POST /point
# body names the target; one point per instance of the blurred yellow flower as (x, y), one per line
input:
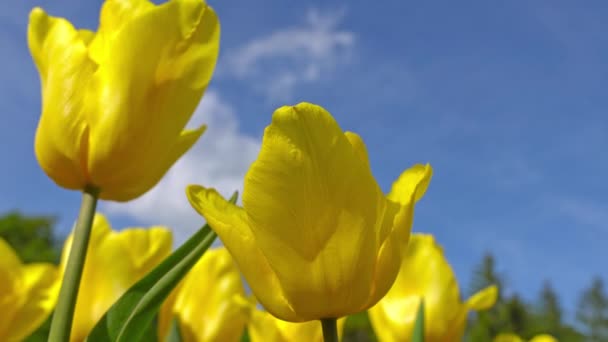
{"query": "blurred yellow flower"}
(28, 294)
(263, 327)
(114, 262)
(206, 303)
(508, 337)
(115, 102)
(316, 238)
(426, 274)
(543, 338)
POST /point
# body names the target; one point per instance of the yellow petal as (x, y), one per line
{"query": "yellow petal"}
(231, 224)
(151, 176)
(60, 53)
(312, 207)
(414, 180)
(396, 224)
(206, 303)
(114, 262)
(9, 263)
(41, 287)
(161, 62)
(543, 338)
(507, 338)
(424, 274)
(263, 327)
(27, 294)
(114, 15)
(483, 299)
(358, 146)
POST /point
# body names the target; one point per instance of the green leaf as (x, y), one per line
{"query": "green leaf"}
(128, 318)
(418, 335)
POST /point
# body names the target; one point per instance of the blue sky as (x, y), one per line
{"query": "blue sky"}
(507, 101)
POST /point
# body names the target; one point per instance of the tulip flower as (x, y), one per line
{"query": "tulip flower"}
(543, 338)
(315, 238)
(206, 302)
(115, 102)
(426, 274)
(263, 327)
(27, 294)
(508, 337)
(114, 262)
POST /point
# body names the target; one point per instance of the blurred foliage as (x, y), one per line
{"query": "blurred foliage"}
(592, 312)
(33, 239)
(358, 328)
(31, 236)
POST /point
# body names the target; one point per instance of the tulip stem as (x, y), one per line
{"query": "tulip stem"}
(330, 329)
(66, 304)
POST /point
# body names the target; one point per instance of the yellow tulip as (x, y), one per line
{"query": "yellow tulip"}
(27, 294)
(114, 262)
(316, 238)
(206, 302)
(263, 327)
(115, 102)
(508, 337)
(426, 274)
(543, 338)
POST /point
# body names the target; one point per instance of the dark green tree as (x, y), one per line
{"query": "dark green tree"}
(31, 236)
(592, 312)
(516, 316)
(486, 324)
(550, 314)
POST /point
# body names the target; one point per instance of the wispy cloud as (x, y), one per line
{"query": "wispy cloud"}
(276, 64)
(220, 160)
(584, 212)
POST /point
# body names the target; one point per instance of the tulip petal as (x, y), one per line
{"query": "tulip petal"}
(231, 225)
(358, 146)
(396, 225)
(507, 337)
(483, 299)
(424, 272)
(149, 177)
(206, 303)
(312, 205)
(27, 294)
(114, 262)
(543, 338)
(161, 62)
(10, 287)
(42, 287)
(414, 180)
(113, 16)
(9, 263)
(145, 248)
(406, 190)
(60, 53)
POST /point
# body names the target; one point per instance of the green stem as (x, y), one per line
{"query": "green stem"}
(66, 304)
(330, 329)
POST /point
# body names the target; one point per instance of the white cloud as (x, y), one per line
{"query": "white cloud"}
(584, 212)
(277, 63)
(220, 160)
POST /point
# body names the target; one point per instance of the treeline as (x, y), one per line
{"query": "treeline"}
(544, 315)
(34, 240)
